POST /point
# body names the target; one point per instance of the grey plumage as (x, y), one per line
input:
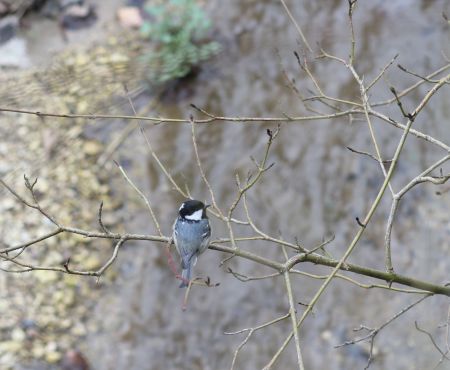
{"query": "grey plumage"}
(191, 236)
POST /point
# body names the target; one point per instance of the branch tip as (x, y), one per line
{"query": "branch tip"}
(359, 222)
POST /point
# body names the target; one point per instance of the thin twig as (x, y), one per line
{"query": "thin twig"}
(158, 120)
(202, 172)
(369, 215)
(250, 333)
(293, 315)
(100, 221)
(297, 27)
(426, 79)
(412, 87)
(431, 339)
(351, 5)
(382, 72)
(142, 195)
(421, 178)
(373, 332)
(367, 154)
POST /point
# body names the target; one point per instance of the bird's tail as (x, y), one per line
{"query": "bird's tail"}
(186, 275)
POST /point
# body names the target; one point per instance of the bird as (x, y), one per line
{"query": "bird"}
(191, 235)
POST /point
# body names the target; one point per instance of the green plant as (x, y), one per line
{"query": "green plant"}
(179, 29)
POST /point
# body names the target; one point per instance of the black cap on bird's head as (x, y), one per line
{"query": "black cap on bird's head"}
(193, 210)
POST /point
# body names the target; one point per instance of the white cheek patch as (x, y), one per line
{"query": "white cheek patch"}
(196, 216)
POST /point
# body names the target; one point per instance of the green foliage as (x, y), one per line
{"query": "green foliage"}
(180, 29)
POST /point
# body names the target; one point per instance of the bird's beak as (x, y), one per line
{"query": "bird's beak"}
(207, 206)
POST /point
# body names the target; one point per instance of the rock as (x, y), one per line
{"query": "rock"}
(136, 3)
(92, 263)
(54, 257)
(18, 335)
(50, 140)
(79, 330)
(78, 10)
(58, 296)
(92, 147)
(46, 320)
(71, 281)
(7, 204)
(27, 324)
(4, 8)
(51, 9)
(65, 324)
(10, 346)
(82, 106)
(14, 54)
(74, 360)
(8, 28)
(69, 297)
(78, 16)
(51, 347)
(42, 185)
(38, 350)
(46, 276)
(66, 3)
(7, 361)
(129, 17)
(118, 57)
(52, 357)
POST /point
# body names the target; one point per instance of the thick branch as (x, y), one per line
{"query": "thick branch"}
(216, 245)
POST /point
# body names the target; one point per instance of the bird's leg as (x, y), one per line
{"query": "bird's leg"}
(172, 264)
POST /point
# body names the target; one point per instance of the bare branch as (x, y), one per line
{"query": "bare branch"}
(293, 315)
(297, 27)
(382, 72)
(202, 172)
(351, 6)
(400, 105)
(245, 278)
(36, 206)
(412, 87)
(373, 332)
(141, 194)
(100, 221)
(369, 215)
(432, 340)
(250, 333)
(368, 155)
(426, 79)
(158, 120)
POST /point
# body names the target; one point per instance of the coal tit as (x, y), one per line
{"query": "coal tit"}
(191, 235)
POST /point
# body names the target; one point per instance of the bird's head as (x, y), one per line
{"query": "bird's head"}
(193, 210)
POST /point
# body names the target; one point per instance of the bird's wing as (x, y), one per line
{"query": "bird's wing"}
(206, 236)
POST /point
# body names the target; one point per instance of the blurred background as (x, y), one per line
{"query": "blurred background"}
(76, 56)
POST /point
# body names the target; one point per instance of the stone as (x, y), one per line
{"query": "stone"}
(74, 360)
(18, 335)
(8, 28)
(13, 54)
(38, 351)
(10, 346)
(129, 17)
(79, 330)
(46, 277)
(92, 263)
(53, 357)
(77, 16)
(92, 147)
(4, 8)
